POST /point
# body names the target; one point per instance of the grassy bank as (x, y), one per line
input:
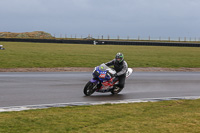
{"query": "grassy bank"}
(29, 55)
(166, 116)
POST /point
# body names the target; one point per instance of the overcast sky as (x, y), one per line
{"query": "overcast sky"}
(174, 18)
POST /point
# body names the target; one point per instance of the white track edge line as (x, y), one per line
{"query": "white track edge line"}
(42, 106)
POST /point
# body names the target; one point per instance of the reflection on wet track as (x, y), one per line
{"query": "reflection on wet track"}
(17, 89)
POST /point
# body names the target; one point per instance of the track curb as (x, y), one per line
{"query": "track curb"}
(44, 106)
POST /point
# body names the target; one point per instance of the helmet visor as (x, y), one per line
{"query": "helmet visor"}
(119, 59)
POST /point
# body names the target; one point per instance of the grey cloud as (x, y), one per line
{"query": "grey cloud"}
(103, 17)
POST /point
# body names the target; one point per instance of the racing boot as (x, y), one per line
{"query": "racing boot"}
(116, 90)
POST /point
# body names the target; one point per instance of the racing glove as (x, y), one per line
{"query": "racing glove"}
(115, 75)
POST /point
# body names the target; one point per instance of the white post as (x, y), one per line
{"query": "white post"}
(94, 42)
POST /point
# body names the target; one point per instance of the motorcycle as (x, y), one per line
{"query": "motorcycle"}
(1, 47)
(103, 81)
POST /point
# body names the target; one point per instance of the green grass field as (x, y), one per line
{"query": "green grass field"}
(29, 55)
(158, 117)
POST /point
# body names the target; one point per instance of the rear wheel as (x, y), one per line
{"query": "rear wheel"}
(89, 88)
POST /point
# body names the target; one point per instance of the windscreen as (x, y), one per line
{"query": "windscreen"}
(103, 67)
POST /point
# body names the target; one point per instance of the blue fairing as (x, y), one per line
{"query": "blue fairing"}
(94, 80)
(101, 71)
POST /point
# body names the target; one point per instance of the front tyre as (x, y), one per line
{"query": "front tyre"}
(89, 88)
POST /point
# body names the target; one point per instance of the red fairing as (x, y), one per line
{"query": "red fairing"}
(107, 84)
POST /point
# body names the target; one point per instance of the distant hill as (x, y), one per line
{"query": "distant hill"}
(34, 34)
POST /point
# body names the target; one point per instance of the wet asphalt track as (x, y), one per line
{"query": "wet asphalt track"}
(18, 89)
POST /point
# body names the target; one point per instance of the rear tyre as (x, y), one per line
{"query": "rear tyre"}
(89, 88)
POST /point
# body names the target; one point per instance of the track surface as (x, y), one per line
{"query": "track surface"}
(18, 89)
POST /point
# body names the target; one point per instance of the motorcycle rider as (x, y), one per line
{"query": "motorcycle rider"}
(121, 68)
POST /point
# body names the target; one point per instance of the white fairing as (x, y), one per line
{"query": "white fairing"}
(129, 72)
(112, 71)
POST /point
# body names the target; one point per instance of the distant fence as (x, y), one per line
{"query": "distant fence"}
(104, 42)
(108, 37)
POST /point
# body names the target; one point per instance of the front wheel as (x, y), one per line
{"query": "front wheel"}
(89, 88)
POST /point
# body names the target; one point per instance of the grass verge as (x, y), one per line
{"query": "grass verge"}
(166, 116)
(49, 55)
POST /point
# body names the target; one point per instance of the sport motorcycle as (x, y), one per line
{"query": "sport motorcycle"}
(103, 81)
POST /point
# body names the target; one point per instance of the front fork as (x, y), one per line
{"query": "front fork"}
(93, 80)
(97, 83)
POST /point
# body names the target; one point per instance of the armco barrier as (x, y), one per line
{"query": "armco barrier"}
(105, 42)
(47, 40)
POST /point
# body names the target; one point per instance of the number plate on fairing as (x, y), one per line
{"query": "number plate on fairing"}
(102, 76)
